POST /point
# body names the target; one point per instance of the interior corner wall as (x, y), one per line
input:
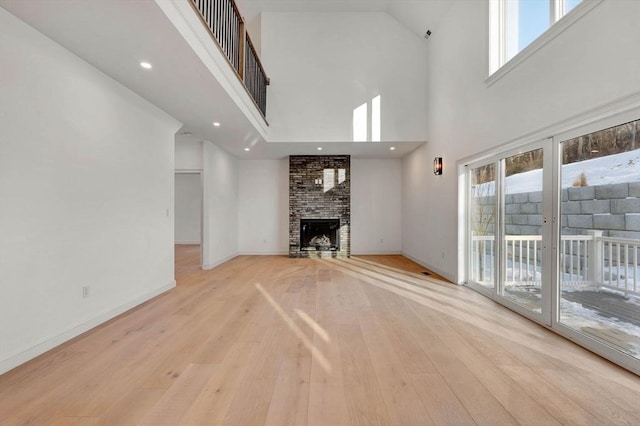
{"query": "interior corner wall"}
(324, 65)
(264, 207)
(376, 204)
(587, 66)
(86, 190)
(220, 206)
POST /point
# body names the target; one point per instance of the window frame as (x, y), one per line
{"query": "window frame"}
(602, 117)
(560, 21)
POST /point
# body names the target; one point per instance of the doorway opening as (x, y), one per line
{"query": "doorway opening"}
(188, 218)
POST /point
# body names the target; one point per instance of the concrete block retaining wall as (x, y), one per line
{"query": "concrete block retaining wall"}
(613, 209)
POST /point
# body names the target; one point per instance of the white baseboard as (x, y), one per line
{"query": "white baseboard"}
(49, 343)
(207, 266)
(430, 267)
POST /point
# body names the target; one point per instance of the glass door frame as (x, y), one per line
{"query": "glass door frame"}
(617, 356)
(546, 273)
(612, 115)
(489, 292)
(495, 293)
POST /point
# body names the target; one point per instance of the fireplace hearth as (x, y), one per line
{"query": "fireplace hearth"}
(319, 234)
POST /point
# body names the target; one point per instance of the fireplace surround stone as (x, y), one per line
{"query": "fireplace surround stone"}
(320, 189)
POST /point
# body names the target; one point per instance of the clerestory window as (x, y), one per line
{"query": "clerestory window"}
(526, 25)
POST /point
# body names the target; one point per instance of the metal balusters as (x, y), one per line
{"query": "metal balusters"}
(255, 78)
(223, 19)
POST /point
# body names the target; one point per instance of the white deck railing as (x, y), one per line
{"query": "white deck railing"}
(585, 261)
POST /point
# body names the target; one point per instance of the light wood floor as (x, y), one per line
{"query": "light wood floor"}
(278, 341)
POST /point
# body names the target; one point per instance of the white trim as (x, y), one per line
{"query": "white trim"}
(24, 355)
(220, 261)
(464, 253)
(188, 171)
(554, 31)
(599, 123)
(629, 103)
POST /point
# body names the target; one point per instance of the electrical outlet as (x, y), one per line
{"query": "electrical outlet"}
(381, 240)
(85, 292)
(442, 255)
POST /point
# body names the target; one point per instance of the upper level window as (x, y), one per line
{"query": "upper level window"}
(515, 24)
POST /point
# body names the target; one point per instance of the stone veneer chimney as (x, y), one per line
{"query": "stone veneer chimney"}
(319, 188)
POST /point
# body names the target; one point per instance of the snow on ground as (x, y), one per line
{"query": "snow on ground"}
(570, 312)
(573, 314)
(578, 317)
(617, 168)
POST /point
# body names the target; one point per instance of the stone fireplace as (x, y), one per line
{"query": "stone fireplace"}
(319, 206)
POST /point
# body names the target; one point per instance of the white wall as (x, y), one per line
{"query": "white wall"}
(188, 154)
(585, 67)
(254, 28)
(188, 208)
(323, 65)
(264, 207)
(86, 190)
(428, 217)
(220, 211)
(376, 206)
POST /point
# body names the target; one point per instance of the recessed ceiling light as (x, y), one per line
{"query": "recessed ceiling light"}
(319, 148)
(146, 65)
(247, 149)
(216, 124)
(392, 148)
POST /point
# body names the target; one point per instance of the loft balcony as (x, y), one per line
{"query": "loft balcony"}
(227, 28)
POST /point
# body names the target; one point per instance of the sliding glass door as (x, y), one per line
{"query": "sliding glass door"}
(553, 233)
(599, 250)
(524, 269)
(508, 229)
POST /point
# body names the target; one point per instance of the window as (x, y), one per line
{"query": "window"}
(525, 21)
(551, 230)
(517, 25)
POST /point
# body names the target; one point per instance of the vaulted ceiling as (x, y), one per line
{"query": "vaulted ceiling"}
(417, 15)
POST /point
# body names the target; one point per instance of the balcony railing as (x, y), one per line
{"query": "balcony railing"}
(585, 261)
(227, 27)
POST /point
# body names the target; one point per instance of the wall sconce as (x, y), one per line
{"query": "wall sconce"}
(437, 166)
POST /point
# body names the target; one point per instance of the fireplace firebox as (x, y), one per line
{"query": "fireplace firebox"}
(320, 234)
